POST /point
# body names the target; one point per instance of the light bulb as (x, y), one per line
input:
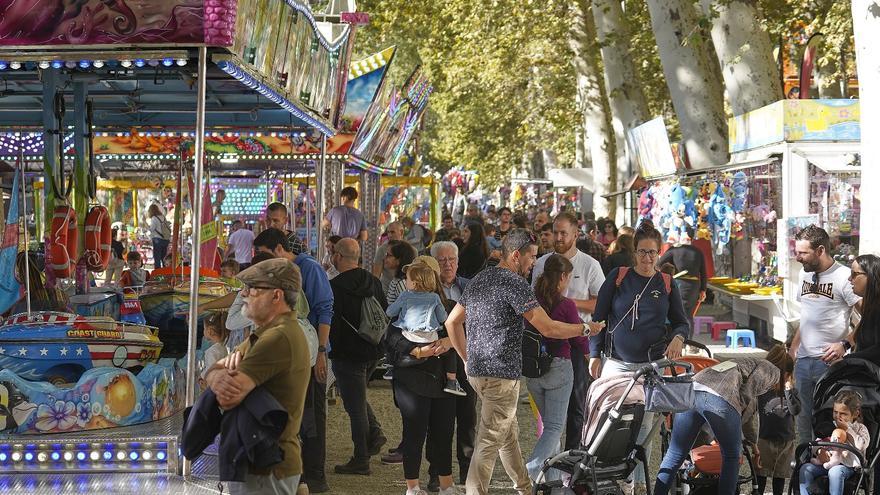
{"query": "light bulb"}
(125, 63)
(44, 64)
(98, 64)
(15, 65)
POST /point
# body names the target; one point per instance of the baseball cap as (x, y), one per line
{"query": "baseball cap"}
(424, 260)
(277, 273)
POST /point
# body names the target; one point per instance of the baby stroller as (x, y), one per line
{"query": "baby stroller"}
(694, 474)
(608, 453)
(847, 374)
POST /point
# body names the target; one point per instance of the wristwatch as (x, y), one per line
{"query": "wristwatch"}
(846, 345)
(322, 348)
(586, 332)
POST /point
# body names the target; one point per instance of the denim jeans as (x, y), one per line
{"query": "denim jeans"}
(726, 424)
(807, 371)
(351, 381)
(836, 477)
(613, 367)
(160, 249)
(550, 393)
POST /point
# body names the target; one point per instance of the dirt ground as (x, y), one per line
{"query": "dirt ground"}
(389, 479)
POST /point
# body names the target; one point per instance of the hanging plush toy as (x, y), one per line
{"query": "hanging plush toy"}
(674, 219)
(646, 204)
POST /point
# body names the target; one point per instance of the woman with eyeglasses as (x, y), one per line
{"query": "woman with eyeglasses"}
(865, 279)
(635, 304)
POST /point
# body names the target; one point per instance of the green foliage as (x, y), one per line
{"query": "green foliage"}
(794, 21)
(504, 84)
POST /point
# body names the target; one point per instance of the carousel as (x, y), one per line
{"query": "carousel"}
(103, 390)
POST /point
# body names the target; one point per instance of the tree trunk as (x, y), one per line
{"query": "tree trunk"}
(594, 107)
(626, 99)
(696, 91)
(866, 26)
(828, 83)
(745, 53)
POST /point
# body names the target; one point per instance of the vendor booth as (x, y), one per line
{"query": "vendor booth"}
(793, 163)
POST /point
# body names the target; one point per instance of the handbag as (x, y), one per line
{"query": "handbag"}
(535, 358)
(669, 394)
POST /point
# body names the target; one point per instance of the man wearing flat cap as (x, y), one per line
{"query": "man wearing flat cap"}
(276, 357)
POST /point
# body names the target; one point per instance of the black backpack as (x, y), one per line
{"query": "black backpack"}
(535, 358)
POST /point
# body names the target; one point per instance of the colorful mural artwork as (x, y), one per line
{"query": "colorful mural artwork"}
(102, 398)
(98, 22)
(60, 347)
(795, 120)
(364, 80)
(237, 143)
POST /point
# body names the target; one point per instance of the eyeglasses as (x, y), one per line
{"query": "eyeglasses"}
(647, 252)
(246, 290)
(446, 261)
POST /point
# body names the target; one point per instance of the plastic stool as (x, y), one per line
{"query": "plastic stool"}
(699, 321)
(720, 326)
(734, 335)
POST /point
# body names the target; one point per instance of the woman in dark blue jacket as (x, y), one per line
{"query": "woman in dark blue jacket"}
(639, 306)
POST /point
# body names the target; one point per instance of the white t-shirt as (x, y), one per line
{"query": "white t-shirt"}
(825, 309)
(586, 278)
(241, 242)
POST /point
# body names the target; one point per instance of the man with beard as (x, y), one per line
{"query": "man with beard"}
(826, 296)
(494, 306)
(586, 280)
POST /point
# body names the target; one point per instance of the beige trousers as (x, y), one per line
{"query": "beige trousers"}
(497, 435)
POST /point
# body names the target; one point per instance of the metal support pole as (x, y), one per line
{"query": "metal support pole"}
(49, 77)
(323, 181)
(23, 193)
(80, 174)
(199, 158)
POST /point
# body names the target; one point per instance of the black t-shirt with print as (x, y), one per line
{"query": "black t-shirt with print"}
(495, 301)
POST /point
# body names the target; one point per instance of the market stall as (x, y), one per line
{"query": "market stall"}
(793, 163)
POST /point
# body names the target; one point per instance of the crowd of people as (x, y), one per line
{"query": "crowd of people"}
(447, 311)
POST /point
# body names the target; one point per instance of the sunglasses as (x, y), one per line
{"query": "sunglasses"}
(814, 287)
(531, 240)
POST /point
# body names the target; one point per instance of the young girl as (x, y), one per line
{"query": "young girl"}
(552, 390)
(216, 332)
(847, 413)
(776, 435)
(420, 313)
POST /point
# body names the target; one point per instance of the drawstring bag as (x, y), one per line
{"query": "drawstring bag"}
(669, 394)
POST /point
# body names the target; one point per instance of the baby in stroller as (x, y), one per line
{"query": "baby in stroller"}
(840, 461)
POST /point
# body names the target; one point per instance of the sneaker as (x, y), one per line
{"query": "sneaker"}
(302, 489)
(448, 491)
(394, 458)
(454, 388)
(416, 491)
(354, 466)
(433, 484)
(376, 444)
(317, 486)
(389, 374)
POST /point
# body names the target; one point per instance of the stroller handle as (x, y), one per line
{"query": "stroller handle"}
(657, 366)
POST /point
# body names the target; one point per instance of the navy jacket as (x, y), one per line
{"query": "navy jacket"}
(249, 433)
